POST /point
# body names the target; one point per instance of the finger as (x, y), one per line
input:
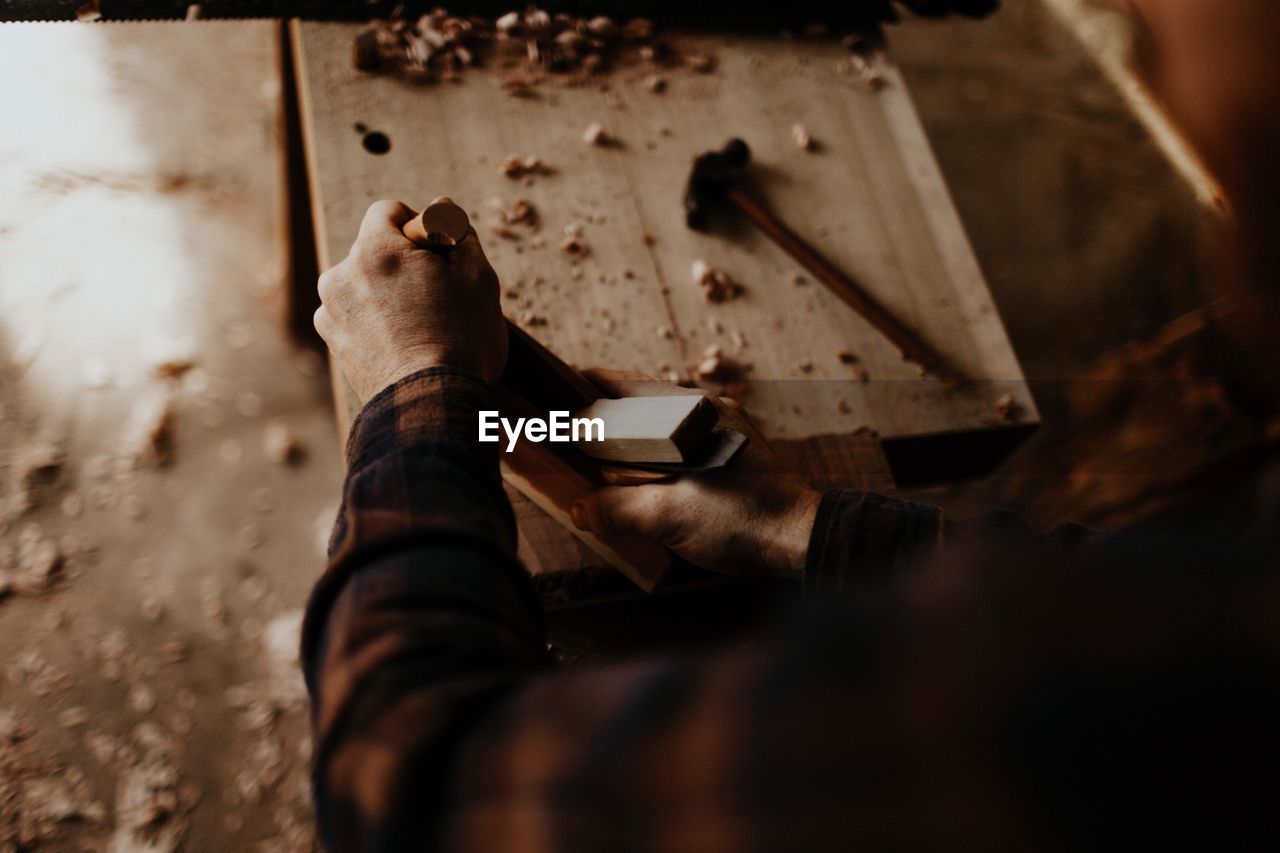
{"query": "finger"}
(620, 510)
(323, 322)
(385, 218)
(325, 284)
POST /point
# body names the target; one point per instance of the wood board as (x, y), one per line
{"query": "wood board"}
(870, 197)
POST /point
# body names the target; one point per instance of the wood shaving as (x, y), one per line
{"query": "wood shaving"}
(522, 212)
(702, 63)
(281, 445)
(800, 135)
(655, 83)
(717, 285)
(595, 134)
(440, 46)
(1007, 408)
(575, 246)
(515, 167)
(173, 367)
(150, 433)
(37, 560)
(37, 466)
(715, 366)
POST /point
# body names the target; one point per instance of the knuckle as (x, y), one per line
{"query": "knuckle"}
(326, 284)
(383, 207)
(373, 261)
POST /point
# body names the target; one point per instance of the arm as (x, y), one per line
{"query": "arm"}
(754, 517)
(424, 614)
(424, 617)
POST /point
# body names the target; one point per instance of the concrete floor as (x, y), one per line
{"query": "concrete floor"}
(157, 672)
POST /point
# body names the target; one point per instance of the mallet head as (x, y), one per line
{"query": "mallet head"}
(712, 174)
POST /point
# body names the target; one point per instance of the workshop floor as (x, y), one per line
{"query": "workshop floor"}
(157, 677)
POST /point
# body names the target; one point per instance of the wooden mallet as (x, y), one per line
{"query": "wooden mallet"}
(716, 176)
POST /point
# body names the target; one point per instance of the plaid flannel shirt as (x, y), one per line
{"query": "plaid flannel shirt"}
(904, 708)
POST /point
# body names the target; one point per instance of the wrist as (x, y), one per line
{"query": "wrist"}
(788, 544)
(401, 366)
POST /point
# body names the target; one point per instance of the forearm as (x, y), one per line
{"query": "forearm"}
(424, 614)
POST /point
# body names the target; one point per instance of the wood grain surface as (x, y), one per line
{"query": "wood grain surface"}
(869, 196)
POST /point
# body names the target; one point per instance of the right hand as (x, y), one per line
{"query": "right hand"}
(391, 308)
(751, 517)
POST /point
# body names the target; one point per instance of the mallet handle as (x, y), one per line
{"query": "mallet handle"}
(840, 284)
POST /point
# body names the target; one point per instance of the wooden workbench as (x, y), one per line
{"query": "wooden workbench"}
(870, 196)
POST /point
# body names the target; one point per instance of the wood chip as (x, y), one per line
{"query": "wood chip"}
(800, 135)
(281, 445)
(515, 166)
(715, 366)
(595, 134)
(1007, 408)
(655, 83)
(89, 12)
(150, 433)
(37, 560)
(702, 63)
(717, 286)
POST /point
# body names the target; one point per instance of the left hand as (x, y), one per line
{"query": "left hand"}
(752, 517)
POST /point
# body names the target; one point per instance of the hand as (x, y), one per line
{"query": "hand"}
(390, 308)
(751, 517)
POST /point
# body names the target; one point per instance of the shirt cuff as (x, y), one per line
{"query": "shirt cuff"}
(435, 404)
(862, 540)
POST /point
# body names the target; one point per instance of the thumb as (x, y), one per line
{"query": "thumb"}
(619, 510)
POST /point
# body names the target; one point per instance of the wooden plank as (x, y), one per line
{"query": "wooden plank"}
(870, 197)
